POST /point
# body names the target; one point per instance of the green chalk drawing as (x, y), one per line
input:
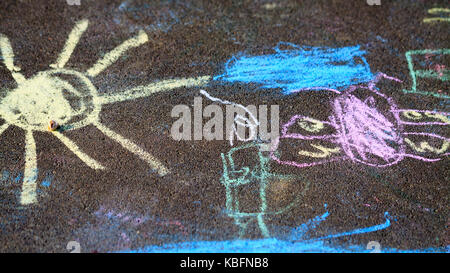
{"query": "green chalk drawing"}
(233, 178)
(443, 76)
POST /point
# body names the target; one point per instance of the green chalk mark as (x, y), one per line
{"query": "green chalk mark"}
(426, 73)
(233, 178)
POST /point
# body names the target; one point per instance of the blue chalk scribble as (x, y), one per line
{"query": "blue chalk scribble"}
(361, 230)
(300, 231)
(47, 182)
(270, 245)
(10, 178)
(297, 242)
(5, 176)
(300, 68)
(18, 178)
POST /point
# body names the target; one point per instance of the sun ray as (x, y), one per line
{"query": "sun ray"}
(3, 127)
(28, 195)
(71, 43)
(41, 98)
(113, 55)
(146, 90)
(132, 147)
(76, 150)
(8, 58)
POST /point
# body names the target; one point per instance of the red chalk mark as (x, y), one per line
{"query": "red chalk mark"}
(125, 237)
(439, 68)
(176, 223)
(136, 221)
(124, 242)
(423, 208)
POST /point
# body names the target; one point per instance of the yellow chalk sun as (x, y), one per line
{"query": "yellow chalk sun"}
(69, 97)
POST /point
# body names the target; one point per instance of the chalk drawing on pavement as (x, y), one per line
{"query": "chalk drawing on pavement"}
(297, 241)
(251, 123)
(439, 72)
(367, 127)
(41, 98)
(235, 178)
(300, 67)
(439, 12)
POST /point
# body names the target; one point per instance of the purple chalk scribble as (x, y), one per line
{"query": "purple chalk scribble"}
(367, 128)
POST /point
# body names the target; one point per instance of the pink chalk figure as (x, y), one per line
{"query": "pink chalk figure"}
(364, 126)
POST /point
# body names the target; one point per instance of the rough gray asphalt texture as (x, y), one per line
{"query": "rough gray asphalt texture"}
(195, 38)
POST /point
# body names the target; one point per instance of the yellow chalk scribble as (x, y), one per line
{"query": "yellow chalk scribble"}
(144, 91)
(28, 195)
(325, 152)
(425, 146)
(112, 56)
(8, 58)
(437, 19)
(438, 116)
(311, 125)
(69, 98)
(438, 10)
(127, 144)
(412, 115)
(71, 43)
(76, 150)
(3, 128)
